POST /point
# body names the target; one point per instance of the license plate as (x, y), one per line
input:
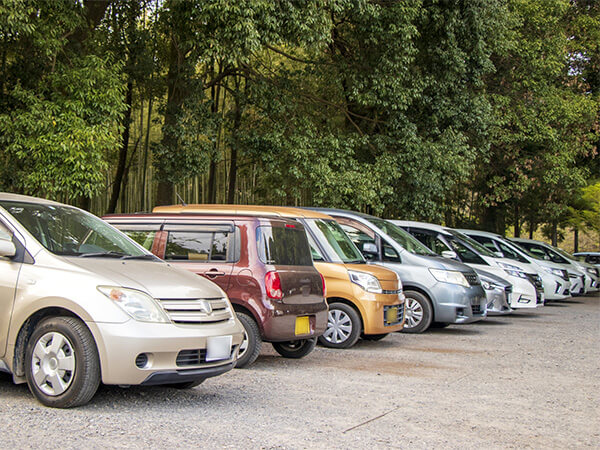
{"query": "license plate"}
(302, 325)
(218, 348)
(391, 315)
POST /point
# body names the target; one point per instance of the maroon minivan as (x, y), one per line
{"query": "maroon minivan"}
(262, 261)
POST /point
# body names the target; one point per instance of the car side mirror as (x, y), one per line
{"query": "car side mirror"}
(499, 254)
(369, 249)
(7, 248)
(449, 254)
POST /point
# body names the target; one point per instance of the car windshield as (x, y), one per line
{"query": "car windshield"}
(516, 248)
(408, 242)
(331, 236)
(544, 252)
(563, 253)
(473, 243)
(68, 231)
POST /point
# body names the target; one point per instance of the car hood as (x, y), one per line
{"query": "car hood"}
(159, 279)
(439, 262)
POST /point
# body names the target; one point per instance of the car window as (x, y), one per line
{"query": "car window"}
(5, 233)
(333, 239)
(465, 254)
(198, 246)
(283, 245)
(430, 241)
(314, 249)
(357, 236)
(486, 242)
(144, 238)
(544, 252)
(511, 253)
(403, 238)
(592, 259)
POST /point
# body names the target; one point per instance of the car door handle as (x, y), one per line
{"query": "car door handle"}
(212, 273)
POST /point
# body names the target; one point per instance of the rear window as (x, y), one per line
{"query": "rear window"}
(283, 246)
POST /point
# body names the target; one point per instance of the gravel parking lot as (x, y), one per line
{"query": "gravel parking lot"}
(526, 380)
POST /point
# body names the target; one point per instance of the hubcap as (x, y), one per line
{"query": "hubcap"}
(53, 364)
(243, 345)
(414, 313)
(339, 327)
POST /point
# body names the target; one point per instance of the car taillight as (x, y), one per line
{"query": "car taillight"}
(323, 283)
(273, 285)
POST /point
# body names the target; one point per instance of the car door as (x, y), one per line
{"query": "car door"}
(207, 249)
(9, 275)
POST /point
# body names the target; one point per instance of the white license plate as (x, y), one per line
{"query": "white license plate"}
(218, 348)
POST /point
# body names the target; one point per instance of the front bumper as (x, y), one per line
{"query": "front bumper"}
(119, 345)
(457, 304)
(498, 301)
(374, 308)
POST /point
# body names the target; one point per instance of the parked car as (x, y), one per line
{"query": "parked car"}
(83, 304)
(527, 291)
(498, 292)
(554, 277)
(260, 258)
(438, 291)
(588, 257)
(584, 276)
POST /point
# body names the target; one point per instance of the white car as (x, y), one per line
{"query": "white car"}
(592, 258)
(555, 277)
(584, 277)
(528, 291)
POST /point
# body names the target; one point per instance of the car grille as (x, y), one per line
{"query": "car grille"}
(536, 280)
(508, 289)
(476, 309)
(191, 357)
(195, 311)
(391, 291)
(472, 278)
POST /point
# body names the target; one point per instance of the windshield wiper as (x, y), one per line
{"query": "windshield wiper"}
(144, 256)
(110, 254)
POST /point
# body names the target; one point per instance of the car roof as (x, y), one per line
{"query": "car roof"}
(7, 196)
(242, 210)
(424, 225)
(468, 231)
(587, 253)
(345, 212)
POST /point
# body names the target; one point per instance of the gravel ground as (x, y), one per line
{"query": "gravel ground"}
(526, 380)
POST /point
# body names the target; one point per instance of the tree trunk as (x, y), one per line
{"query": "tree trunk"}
(237, 120)
(146, 147)
(116, 191)
(517, 222)
(575, 240)
(554, 234)
(212, 172)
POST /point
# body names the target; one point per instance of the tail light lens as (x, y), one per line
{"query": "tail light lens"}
(323, 284)
(273, 285)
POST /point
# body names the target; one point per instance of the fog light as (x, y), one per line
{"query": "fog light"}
(460, 311)
(142, 360)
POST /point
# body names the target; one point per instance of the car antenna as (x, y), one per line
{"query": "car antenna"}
(180, 199)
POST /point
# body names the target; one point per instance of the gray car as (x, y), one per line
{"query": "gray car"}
(438, 291)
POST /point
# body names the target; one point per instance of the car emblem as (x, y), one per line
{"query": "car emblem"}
(205, 306)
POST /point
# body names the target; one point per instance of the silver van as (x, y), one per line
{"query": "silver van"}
(83, 304)
(438, 291)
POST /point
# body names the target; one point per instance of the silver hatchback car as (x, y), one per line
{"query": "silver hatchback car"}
(82, 304)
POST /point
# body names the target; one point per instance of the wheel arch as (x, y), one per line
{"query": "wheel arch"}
(353, 305)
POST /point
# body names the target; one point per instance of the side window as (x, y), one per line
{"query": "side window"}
(357, 236)
(487, 243)
(314, 249)
(198, 246)
(593, 259)
(5, 233)
(389, 253)
(430, 241)
(510, 253)
(144, 238)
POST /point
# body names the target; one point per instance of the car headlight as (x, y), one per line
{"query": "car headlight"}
(449, 276)
(137, 304)
(554, 271)
(366, 281)
(513, 270)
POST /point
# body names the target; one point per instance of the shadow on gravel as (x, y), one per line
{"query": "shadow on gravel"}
(564, 302)
(458, 331)
(526, 316)
(493, 322)
(556, 305)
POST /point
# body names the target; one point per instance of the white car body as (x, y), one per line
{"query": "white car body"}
(584, 277)
(520, 275)
(555, 277)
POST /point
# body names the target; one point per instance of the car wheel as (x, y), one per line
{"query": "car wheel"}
(252, 343)
(187, 385)
(373, 337)
(439, 324)
(62, 366)
(419, 312)
(343, 327)
(295, 349)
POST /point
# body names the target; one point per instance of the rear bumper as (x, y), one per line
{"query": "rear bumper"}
(279, 323)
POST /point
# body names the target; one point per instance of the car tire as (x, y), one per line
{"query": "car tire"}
(419, 312)
(187, 385)
(62, 366)
(295, 349)
(373, 337)
(343, 327)
(439, 324)
(252, 343)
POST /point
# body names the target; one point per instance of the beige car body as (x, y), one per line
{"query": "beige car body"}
(51, 285)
